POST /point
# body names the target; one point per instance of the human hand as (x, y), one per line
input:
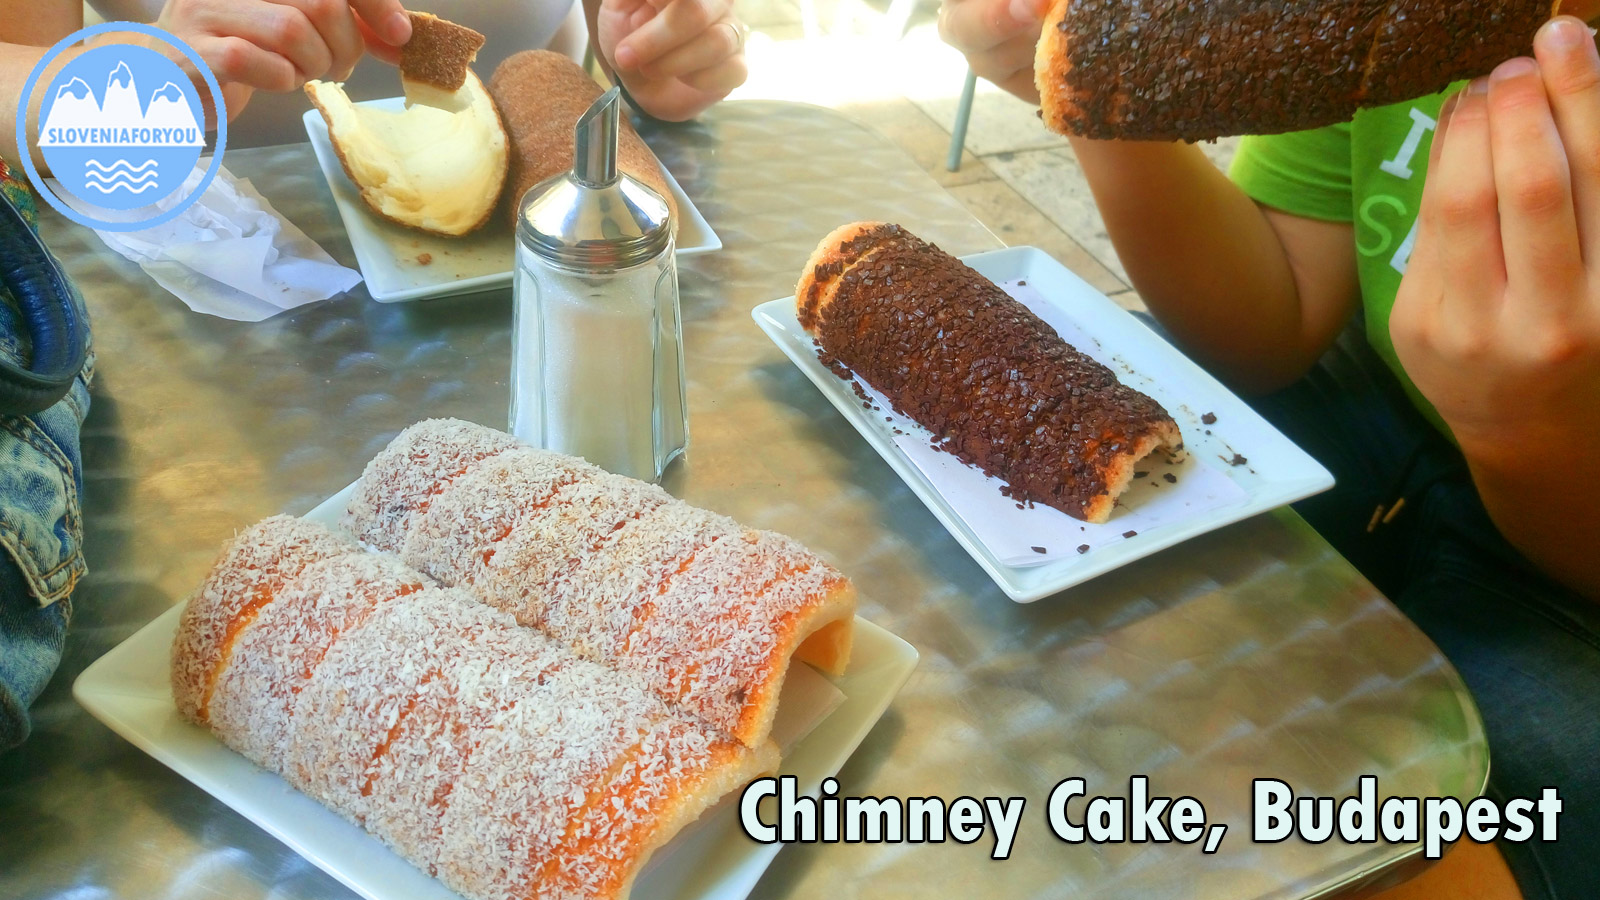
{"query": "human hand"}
(675, 57)
(278, 45)
(1498, 317)
(998, 38)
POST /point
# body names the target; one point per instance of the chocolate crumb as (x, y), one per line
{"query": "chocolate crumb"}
(1083, 548)
(1138, 475)
(1021, 283)
(1128, 534)
(1171, 478)
(1209, 419)
(1019, 506)
(1236, 461)
(1208, 431)
(1040, 550)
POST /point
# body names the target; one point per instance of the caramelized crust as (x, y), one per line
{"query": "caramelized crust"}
(439, 52)
(995, 384)
(1183, 70)
(540, 95)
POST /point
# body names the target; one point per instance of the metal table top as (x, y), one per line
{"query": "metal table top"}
(1255, 651)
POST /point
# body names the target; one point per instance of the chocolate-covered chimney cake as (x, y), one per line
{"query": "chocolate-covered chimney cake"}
(992, 381)
(1200, 69)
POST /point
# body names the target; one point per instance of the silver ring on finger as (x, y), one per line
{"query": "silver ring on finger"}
(740, 33)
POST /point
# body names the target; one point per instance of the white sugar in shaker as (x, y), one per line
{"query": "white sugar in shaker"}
(597, 355)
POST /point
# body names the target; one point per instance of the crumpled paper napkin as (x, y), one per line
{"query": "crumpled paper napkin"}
(230, 254)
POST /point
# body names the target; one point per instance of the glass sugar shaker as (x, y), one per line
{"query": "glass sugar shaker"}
(597, 346)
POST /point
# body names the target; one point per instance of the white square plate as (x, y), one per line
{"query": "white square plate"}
(128, 689)
(1211, 493)
(389, 255)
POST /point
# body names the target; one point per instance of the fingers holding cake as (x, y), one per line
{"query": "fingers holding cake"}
(1570, 65)
(277, 45)
(1175, 70)
(998, 38)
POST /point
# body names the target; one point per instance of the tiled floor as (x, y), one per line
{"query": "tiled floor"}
(1019, 179)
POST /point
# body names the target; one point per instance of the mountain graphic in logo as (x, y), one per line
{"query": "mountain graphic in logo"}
(77, 119)
(120, 149)
(123, 110)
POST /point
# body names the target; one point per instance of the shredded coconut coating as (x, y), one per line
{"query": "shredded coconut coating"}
(277, 654)
(402, 479)
(252, 568)
(706, 612)
(581, 522)
(392, 717)
(486, 753)
(582, 730)
(721, 633)
(605, 597)
(459, 534)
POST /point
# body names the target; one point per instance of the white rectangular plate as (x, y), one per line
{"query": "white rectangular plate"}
(128, 689)
(1209, 491)
(390, 255)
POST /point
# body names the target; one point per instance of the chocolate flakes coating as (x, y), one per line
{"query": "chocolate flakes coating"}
(1424, 45)
(1200, 69)
(994, 383)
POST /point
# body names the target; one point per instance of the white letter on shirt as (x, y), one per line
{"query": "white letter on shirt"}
(1400, 166)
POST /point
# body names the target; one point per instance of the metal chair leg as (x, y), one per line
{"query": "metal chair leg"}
(958, 133)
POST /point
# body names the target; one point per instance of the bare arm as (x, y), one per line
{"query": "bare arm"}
(25, 33)
(1255, 294)
(273, 45)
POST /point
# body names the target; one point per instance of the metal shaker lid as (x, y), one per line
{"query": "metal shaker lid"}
(595, 218)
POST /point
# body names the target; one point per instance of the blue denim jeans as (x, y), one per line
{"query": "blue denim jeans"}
(1527, 647)
(41, 532)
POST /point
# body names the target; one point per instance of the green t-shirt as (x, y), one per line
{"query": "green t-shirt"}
(1368, 172)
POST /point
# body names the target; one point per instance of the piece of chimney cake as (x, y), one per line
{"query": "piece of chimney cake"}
(433, 64)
